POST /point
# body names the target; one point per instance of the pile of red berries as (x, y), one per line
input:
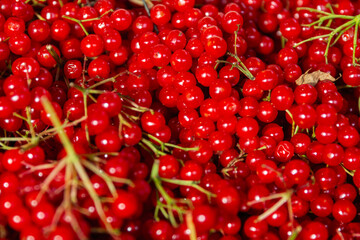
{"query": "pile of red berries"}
(179, 119)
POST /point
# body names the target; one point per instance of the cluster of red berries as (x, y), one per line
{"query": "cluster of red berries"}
(179, 119)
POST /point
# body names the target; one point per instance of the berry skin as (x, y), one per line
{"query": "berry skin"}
(157, 105)
(45, 58)
(19, 218)
(121, 19)
(160, 14)
(284, 151)
(297, 171)
(125, 205)
(181, 60)
(253, 228)
(290, 28)
(108, 141)
(322, 205)
(183, 5)
(161, 230)
(6, 110)
(216, 46)
(25, 67)
(204, 218)
(304, 116)
(267, 79)
(344, 211)
(348, 136)
(19, 44)
(315, 230)
(61, 232)
(73, 69)
(351, 76)
(282, 97)
(92, 45)
(152, 122)
(12, 160)
(231, 21)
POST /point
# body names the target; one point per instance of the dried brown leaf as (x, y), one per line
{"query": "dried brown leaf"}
(314, 77)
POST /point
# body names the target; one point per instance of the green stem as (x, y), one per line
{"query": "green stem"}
(169, 201)
(190, 224)
(78, 22)
(332, 34)
(340, 34)
(236, 33)
(355, 40)
(181, 148)
(102, 175)
(152, 148)
(312, 10)
(57, 125)
(53, 53)
(73, 158)
(13, 139)
(112, 79)
(264, 199)
(90, 189)
(351, 173)
(189, 184)
(86, 115)
(45, 185)
(243, 67)
(293, 122)
(311, 39)
(285, 197)
(162, 146)
(40, 17)
(15, 114)
(283, 41)
(324, 28)
(329, 15)
(295, 233)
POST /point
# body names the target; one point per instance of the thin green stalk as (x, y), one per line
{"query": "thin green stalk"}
(235, 33)
(78, 22)
(181, 148)
(152, 147)
(53, 53)
(14, 139)
(286, 196)
(46, 184)
(73, 159)
(190, 224)
(243, 66)
(293, 122)
(332, 34)
(102, 175)
(189, 184)
(311, 39)
(15, 114)
(340, 34)
(295, 233)
(267, 198)
(324, 28)
(90, 189)
(355, 40)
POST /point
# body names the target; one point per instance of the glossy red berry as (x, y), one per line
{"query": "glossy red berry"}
(125, 205)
